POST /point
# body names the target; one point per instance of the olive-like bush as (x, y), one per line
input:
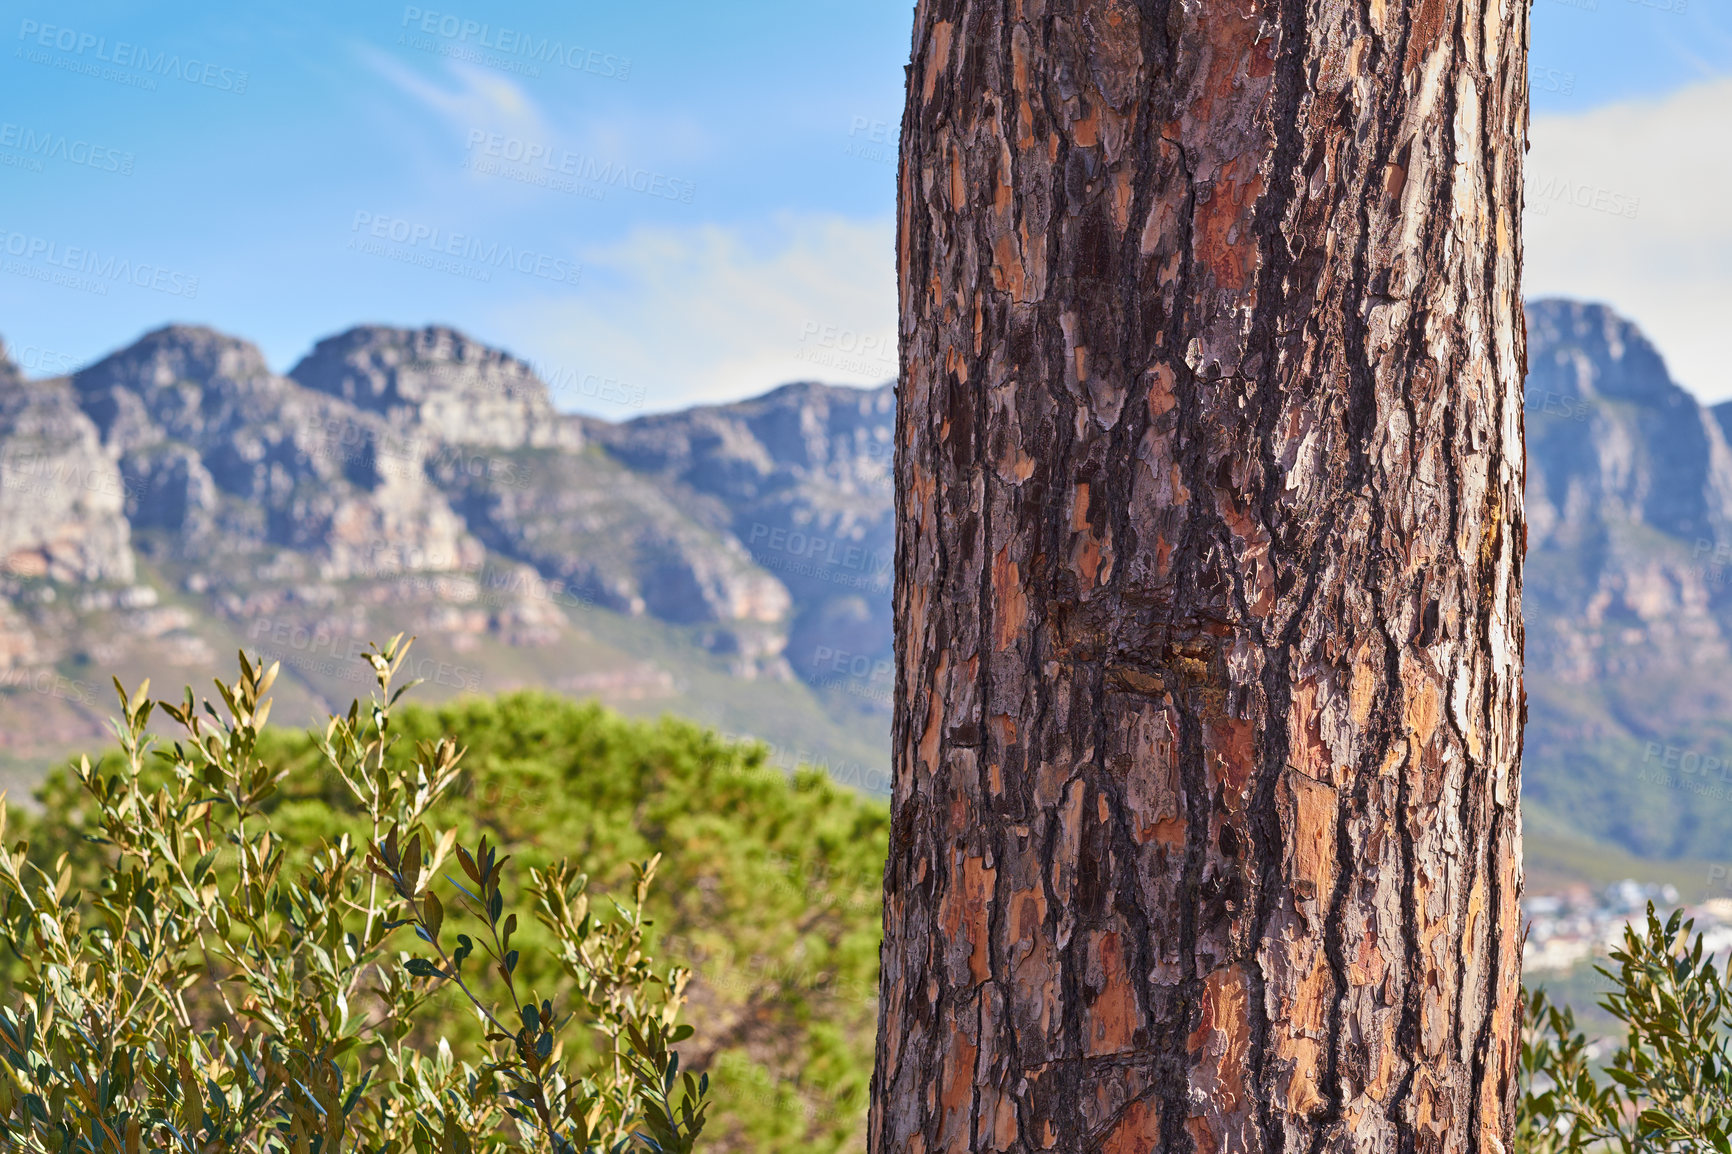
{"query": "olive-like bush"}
(1668, 1087)
(212, 989)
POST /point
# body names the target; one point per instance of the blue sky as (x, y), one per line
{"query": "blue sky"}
(662, 201)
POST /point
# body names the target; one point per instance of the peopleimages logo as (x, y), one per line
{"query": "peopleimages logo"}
(48, 683)
(432, 242)
(871, 139)
(39, 146)
(44, 473)
(512, 43)
(564, 162)
(121, 54)
(1551, 80)
(835, 552)
(1550, 190)
(38, 361)
(92, 270)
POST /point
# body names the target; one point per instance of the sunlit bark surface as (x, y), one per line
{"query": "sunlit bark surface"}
(1208, 579)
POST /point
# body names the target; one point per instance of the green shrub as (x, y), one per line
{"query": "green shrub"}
(1667, 1088)
(206, 989)
(769, 888)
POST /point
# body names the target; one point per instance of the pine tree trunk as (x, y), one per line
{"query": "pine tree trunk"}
(1209, 640)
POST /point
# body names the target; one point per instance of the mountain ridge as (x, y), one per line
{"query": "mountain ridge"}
(734, 561)
(394, 480)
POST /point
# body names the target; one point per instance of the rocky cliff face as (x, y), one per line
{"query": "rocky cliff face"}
(1628, 606)
(62, 498)
(228, 460)
(802, 478)
(440, 384)
(615, 538)
(1629, 503)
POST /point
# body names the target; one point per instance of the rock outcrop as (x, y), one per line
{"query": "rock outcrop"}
(226, 458)
(386, 452)
(614, 538)
(440, 384)
(802, 478)
(1629, 503)
(62, 498)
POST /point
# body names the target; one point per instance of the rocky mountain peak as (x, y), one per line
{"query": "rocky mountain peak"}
(794, 434)
(180, 380)
(178, 353)
(440, 380)
(1612, 439)
(1584, 350)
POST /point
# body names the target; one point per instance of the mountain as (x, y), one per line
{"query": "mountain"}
(61, 497)
(177, 499)
(1628, 609)
(802, 478)
(733, 562)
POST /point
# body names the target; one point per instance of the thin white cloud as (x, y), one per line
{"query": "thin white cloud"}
(707, 313)
(474, 96)
(1627, 205)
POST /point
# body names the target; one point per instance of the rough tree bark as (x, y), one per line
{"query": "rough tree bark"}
(1209, 485)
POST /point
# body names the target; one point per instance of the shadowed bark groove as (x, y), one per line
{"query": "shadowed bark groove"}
(1208, 589)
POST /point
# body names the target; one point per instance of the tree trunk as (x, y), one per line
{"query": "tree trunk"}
(1209, 484)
